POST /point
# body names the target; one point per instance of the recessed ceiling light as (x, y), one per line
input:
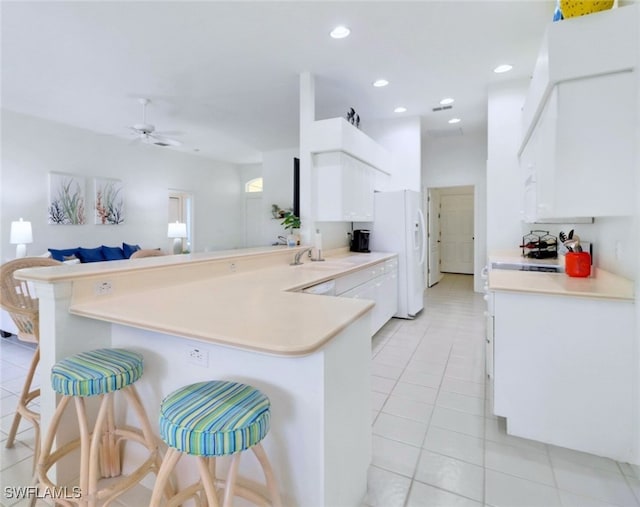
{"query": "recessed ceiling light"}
(454, 120)
(400, 109)
(447, 101)
(503, 68)
(340, 32)
(379, 83)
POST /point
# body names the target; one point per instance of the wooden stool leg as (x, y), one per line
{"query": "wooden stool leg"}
(85, 447)
(45, 451)
(164, 474)
(21, 409)
(149, 436)
(208, 482)
(94, 449)
(36, 451)
(232, 476)
(110, 462)
(272, 485)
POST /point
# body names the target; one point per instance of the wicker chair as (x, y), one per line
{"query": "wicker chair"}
(17, 298)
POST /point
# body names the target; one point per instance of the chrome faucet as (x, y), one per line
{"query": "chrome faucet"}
(298, 256)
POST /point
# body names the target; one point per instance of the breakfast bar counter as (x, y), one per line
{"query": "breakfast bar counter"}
(237, 317)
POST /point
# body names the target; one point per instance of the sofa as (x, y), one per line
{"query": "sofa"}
(97, 254)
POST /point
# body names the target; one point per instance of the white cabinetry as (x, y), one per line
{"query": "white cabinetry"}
(337, 134)
(564, 371)
(344, 188)
(579, 152)
(378, 283)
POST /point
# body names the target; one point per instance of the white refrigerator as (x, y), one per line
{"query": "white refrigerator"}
(399, 226)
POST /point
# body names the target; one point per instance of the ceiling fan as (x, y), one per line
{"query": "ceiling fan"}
(146, 132)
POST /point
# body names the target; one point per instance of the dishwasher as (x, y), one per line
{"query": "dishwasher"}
(327, 288)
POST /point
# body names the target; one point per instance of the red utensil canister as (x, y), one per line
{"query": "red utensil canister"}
(578, 264)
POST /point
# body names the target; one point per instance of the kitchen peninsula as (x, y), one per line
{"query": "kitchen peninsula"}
(235, 315)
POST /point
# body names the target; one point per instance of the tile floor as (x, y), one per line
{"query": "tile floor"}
(435, 442)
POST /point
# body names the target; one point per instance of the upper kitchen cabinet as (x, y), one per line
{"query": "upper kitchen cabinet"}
(337, 134)
(345, 160)
(578, 154)
(344, 188)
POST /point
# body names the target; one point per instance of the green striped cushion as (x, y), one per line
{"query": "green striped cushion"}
(96, 372)
(214, 418)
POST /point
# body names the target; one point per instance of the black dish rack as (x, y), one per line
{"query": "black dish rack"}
(539, 245)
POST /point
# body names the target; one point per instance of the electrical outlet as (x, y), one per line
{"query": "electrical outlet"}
(103, 288)
(232, 267)
(198, 356)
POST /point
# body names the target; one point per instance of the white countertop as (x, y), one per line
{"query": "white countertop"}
(256, 310)
(600, 285)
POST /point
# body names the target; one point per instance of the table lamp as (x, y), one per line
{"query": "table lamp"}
(21, 234)
(178, 231)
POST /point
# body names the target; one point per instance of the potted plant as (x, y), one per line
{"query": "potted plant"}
(291, 222)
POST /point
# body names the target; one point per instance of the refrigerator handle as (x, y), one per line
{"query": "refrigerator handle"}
(424, 238)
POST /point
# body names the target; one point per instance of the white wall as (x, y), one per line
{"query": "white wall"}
(402, 137)
(504, 194)
(460, 161)
(31, 148)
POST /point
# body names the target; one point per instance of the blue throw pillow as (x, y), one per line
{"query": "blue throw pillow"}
(90, 254)
(129, 249)
(112, 253)
(59, 255)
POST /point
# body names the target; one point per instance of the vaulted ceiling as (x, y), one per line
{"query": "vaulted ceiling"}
(223, 76)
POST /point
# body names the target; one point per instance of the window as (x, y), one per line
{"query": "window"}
(254, 185)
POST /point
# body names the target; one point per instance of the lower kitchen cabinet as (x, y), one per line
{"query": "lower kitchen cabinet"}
(378, 283)
(564, 371)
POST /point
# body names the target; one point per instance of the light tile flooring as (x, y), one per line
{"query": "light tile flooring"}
(435, 442)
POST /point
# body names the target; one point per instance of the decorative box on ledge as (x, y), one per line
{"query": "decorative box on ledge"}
(337, 134)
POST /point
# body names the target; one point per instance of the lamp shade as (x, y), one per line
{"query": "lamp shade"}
(177, 230)
(21, 233)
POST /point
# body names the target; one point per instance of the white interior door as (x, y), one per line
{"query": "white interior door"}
(434, 275)
(456, 227)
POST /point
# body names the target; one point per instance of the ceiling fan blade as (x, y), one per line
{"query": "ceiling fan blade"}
(163, 133)
(156, 139)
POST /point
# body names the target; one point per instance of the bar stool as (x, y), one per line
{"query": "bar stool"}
(211, 419)
(101, 372)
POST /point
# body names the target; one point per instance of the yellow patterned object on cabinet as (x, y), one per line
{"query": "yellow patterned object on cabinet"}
(573, 8)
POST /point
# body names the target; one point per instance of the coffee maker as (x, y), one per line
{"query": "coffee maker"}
(360, 241)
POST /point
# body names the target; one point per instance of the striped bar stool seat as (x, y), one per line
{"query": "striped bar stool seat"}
(103, 373)
(209, 420)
